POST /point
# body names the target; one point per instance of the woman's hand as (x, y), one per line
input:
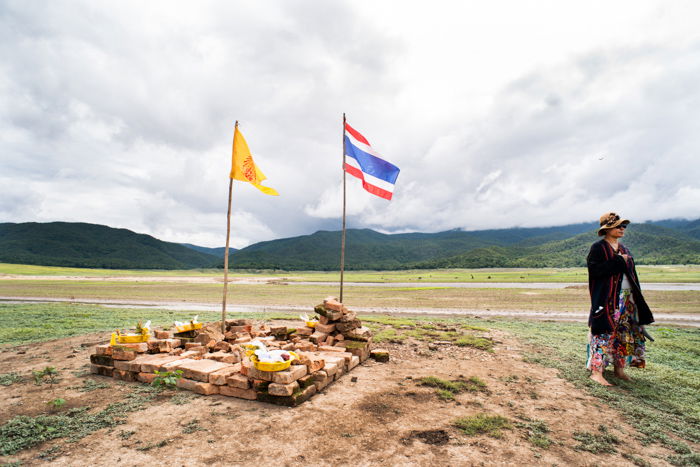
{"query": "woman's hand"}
(626, 257)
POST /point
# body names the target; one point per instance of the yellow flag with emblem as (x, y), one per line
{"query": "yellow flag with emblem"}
(243, 167)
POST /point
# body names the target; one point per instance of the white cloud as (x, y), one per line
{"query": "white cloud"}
(553, 113)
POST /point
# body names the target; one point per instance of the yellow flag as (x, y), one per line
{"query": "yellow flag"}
(244, 169)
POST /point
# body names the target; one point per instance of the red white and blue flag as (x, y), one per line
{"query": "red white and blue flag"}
(378, 176)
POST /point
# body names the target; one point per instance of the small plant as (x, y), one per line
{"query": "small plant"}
(56, 404)
(482, 343)
(483, 424)
(446, 390)
(166, 379)
(48, 374)
(126, 434)
(181, 398)
(90, 385)
(445, 395)
(8, 379)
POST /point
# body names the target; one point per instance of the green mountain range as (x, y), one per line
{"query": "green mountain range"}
(98, 246)
(94, 246)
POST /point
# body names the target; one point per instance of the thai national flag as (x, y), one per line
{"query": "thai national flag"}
(378, 176)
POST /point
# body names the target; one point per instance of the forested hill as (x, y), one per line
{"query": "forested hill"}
(98, 246)
(518, 247)
(94, 246)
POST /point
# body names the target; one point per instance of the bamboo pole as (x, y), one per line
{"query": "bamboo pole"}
(342, 241)
(228, 235)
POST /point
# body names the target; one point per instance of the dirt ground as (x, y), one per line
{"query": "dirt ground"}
(377, 414)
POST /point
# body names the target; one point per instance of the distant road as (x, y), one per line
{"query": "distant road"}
(503, 285)
(680, 319)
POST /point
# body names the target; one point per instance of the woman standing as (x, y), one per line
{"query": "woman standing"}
(618, 309)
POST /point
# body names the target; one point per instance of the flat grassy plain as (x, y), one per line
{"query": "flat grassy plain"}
(673, 273)
(561, 300)
(662, 402)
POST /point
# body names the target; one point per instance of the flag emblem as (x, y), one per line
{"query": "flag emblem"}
(243, 167)
(378, 175)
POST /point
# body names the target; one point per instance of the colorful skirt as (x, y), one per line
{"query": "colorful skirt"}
(625, 345)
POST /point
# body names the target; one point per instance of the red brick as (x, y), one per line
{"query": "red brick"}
(277, 389)
(140, 347)
(329, 348)
(124, 375)
(146, 377)
(164, 334)
(325, 328)
(332, 303)
(321, 379)
(238, 381)
(318, 337)
(224, 357)
(237, 392)
(127, 365)
(304, 331)
(354, 361)
(199, 387)
(193, 346)
(119, 354)
(156, 362)
(175, 364)
(200, 370)
(102, 370)
(220, 376)
(104, 349)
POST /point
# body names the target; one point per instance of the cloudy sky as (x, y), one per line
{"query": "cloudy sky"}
(499, 113)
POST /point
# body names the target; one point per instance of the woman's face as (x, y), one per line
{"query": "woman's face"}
(617, 232)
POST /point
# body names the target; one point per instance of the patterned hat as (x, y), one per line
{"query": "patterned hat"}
(610, 220)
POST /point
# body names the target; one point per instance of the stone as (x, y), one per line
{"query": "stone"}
(222, 346)
(199, 370)
(290, 401)
(323, 319)
(102, 370)
(277, 389)
(331, 368)
(220, 377)
(168, 345)
(305, 331)
(312, 362)
(354, 361)
(164, 334)
(199, 387)
(238, 381)
(241, 393)
(104, 360)
(123, 354)
(380, 355)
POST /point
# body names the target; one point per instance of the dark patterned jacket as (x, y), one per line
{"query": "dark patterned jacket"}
(605, 269)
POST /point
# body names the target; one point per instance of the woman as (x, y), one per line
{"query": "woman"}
(618, 309)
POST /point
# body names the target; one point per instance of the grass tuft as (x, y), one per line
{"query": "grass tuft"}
(485, 424)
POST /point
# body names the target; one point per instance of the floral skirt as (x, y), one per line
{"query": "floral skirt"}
(625, 345)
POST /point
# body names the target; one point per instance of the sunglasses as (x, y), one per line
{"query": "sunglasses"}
(622, 226)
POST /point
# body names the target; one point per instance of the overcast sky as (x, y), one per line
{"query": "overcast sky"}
(499, 113)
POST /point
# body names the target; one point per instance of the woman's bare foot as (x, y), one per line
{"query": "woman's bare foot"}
(620, 373)
(598, 378)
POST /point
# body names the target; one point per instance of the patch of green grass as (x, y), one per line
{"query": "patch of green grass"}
(23, 432)
(536, 432)
(636, 460)
(601, 442)
(182, 398)
(90, 385)
(9, 379)
(192, 426)
(388, 335)
(446, 390)
(483, 424)
(483, 343)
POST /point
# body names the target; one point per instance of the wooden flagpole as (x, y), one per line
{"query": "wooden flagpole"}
(228, 235)
(342, 241)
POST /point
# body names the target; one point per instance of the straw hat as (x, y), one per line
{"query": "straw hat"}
(610, 220)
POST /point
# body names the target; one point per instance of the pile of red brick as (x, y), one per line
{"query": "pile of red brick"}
(213, 362)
